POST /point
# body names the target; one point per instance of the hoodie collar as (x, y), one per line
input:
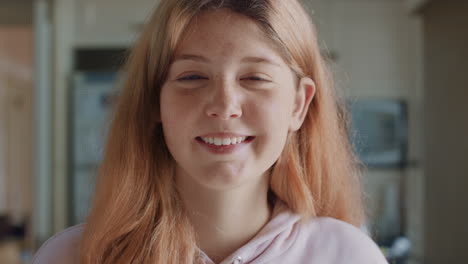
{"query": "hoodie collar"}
(276, 237)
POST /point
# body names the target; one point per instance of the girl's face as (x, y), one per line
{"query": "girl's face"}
(229, 102)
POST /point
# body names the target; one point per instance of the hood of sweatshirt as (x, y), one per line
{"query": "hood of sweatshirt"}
(322, 240)
(284, 239)
(276, 237)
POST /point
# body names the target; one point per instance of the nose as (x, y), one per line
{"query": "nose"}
(225, 102)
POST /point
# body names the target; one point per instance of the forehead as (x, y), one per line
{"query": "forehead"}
(225, 33)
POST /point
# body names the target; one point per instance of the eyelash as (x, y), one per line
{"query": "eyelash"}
(191, 78)
(256, 78)
(198, 77)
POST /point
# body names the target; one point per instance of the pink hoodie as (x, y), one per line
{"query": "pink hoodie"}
(283, 240)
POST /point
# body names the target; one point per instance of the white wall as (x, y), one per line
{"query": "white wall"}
(109, 22)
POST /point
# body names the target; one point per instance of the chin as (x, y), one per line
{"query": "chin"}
(222, 181)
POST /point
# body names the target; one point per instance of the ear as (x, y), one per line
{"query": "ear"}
(304, 95)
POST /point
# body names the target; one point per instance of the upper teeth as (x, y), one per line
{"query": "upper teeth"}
(223, 141)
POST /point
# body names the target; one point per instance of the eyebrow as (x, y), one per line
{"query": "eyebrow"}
(206, 60)
(260, 60)
(191, 57)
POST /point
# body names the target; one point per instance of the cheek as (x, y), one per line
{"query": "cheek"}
(173, 119)
(271, 119)
(176, 109)
(273, 113)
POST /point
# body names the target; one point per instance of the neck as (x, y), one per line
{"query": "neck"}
(224, 220)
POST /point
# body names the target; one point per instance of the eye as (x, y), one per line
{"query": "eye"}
(255, 78)
(192, 77)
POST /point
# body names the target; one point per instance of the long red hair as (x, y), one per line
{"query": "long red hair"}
(137, 215)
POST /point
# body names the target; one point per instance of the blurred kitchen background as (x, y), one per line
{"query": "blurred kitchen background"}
(401, 64)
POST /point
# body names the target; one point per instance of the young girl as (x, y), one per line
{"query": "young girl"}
(228, 145)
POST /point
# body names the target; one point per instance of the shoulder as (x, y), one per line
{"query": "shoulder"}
(340, 242)
(61, 248)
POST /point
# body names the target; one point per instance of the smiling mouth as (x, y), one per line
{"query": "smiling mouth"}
(225, 141)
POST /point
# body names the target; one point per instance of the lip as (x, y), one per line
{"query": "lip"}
(224, 135)
(224, 149)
